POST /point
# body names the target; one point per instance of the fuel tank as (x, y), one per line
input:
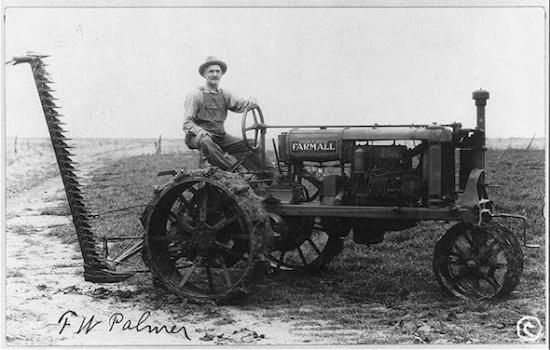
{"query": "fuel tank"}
(311, 145)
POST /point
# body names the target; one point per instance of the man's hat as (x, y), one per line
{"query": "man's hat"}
(210, 60)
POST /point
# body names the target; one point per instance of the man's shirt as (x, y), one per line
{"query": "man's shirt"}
(204, 111)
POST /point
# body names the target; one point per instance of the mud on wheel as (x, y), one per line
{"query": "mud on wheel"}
(199, 240)
(478, 262)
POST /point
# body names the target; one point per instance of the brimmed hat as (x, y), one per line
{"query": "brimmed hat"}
(210, 60)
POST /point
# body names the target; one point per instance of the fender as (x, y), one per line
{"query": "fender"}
(475, 198)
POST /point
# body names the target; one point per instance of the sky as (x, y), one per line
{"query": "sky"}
(125, 72)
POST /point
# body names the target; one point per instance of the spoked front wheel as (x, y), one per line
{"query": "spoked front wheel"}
(303, 246)
(478, 262)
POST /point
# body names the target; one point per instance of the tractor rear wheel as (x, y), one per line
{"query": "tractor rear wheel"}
(478, 262)
(201, 238)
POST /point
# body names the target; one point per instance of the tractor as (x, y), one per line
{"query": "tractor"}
(206, 228)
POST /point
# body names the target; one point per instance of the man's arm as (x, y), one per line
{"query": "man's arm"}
(191, 108)
(238, 105)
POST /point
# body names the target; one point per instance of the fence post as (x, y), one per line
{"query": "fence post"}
(158, 145)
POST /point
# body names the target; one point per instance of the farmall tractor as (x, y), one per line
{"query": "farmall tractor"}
(206, 229)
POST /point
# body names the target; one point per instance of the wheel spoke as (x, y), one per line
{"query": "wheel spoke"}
(180, 224)
(460, 251)
(188, 272)
(184, 201)
(253, 127)
(314, 246)
(469, 239)
(281, 259)
(458, 258)
(491, 280)
(203, 204)
(209, 277)
(485, 251)
(225, 272)
(183, 265)
(224, 222)
(460, 261)
(460, 275)
(302, 256)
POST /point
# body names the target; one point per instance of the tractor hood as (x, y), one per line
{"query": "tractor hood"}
(327, 144)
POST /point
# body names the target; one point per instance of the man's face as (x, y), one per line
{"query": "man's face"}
(213, 74)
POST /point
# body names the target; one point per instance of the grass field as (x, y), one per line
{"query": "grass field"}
(388, 287)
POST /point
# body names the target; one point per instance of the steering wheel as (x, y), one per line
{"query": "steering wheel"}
(258, 127)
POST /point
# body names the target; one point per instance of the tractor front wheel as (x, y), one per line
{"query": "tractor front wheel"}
(478, 262)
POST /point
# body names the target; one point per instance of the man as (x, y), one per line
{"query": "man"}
(205, 113)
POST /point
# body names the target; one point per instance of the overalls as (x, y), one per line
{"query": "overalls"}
(211, 117)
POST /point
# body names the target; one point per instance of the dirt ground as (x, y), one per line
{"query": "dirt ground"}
(49, 303)
(44, 281)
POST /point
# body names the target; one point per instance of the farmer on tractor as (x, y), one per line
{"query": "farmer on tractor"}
(205, 113)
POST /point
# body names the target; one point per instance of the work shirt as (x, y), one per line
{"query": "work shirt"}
(207, 109)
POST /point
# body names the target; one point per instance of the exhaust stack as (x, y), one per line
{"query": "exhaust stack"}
(481, 97)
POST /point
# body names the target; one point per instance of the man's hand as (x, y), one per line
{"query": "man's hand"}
(252, 103)
(202, 133)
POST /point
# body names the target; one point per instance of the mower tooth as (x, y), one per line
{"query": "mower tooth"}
(68, 166)
(54, 125)
(63, 139)
(49, 103)
(76, 190)
(78, 198)
(65, 157)
(85, 224)
(66, 161)
(66, 153)
(59, 131)
(61, 145)
(45, 81)
(45, 94)
(56, 121)
(90, 244)
(72, 177)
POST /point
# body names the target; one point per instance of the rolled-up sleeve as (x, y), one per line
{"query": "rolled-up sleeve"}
(191, 108)
(235, 104)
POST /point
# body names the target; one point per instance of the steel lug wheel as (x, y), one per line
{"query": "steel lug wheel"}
(478, 262)
(199, 240)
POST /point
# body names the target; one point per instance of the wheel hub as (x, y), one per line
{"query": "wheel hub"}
(203, 237)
